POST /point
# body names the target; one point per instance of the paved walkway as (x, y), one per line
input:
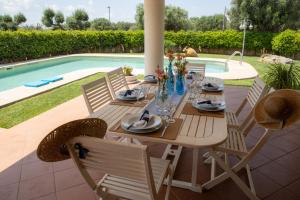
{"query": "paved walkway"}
(276, 169)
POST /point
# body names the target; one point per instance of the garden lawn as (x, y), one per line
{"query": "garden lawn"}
(28, 108)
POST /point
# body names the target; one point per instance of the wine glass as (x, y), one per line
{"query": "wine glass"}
(171, 110)
(146, 90)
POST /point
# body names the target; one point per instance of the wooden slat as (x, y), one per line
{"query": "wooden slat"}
(186, 125)
(201, 127)
(96, 94)
(209, 127)
(193, 126)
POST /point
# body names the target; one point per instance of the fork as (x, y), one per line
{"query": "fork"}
(165, 128)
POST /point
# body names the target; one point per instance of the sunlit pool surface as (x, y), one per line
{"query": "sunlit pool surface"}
(18, 76)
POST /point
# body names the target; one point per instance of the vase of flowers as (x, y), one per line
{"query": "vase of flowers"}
(162, 92)
(171, 78)
(180, 64)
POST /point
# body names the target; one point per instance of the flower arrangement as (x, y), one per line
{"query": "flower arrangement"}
(170, 56)
(180, 64)
(162, 76)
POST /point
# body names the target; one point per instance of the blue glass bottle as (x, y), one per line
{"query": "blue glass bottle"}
(170, 81)
(180, 84)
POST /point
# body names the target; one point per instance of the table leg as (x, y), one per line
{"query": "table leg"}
(193, 186)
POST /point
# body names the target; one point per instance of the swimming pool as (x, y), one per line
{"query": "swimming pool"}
(15, 76)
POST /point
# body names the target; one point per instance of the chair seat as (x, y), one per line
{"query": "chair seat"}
(235, 143)
(129, 188)
(232, 120)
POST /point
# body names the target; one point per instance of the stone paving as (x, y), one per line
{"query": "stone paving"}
(276, 169)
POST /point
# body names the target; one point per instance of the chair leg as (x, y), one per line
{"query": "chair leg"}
(213, 169)
(169, 183)
(234, 177)
(250, 179)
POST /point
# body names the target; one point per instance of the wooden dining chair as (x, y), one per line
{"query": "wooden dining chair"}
(96, 94)
(129, 170)
(196, 67)
(235, 145)
(116, 81)
(256, 92)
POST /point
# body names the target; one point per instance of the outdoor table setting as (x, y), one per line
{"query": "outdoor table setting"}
(191, 116)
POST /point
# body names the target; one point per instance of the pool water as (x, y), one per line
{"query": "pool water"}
(20, 75)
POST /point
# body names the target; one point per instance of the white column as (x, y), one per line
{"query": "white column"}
(154, 34)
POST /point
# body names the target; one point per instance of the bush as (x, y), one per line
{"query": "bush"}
(287, 43)
(21, 45)
(280, 76)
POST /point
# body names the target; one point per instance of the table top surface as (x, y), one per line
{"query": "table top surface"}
(196, 131)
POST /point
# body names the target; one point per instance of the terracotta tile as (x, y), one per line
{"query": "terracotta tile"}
(295, 188)
(283, 194)
(279, 174)
(96, 174)
(289, 162)
(295, 154)
(32, 157)
(264, 186)
(79, 192)
(283, 144)
(11, 174)
(9, 192)
(293, 137)
(271, 152)
(228, 190)
(36, 187)
(62, 165)
(47, 197)
(35, 169)
(258, 160)
(67, 178)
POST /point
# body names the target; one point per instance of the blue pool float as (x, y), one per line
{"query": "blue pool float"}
(53, 79)
(36, 84)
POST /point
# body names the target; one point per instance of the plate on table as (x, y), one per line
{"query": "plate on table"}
(155, 122)
(150, 79)
(213, 87)
(214, 106)
(132, 97)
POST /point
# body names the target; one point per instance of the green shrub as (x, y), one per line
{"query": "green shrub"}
(287, 43)
(21, 45)
(280, 76)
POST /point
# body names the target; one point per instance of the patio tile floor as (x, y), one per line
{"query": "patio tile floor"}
(275, 170)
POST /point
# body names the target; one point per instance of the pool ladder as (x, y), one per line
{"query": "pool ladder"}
(233, 54)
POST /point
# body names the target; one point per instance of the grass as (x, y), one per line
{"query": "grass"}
(252, 60)
(28, 108)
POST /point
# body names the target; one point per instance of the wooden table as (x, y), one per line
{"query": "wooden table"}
(196, 132)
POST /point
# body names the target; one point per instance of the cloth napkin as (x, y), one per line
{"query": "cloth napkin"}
(143, 121)
(211, 85)
(210, 103)
(128, 93)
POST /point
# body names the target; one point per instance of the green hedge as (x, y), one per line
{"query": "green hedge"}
(287, 43)
(21, 45)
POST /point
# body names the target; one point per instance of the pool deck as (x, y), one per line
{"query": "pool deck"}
(235, 71)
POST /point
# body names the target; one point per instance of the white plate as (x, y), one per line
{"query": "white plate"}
(154, 123)
(209, 107)
(120, 96)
